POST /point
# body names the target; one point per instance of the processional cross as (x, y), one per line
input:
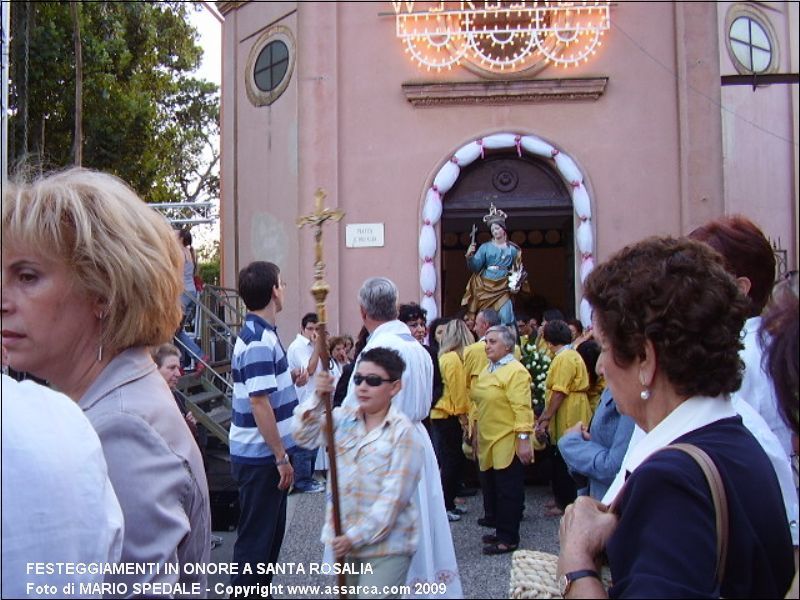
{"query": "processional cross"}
(320, 291)
(316, 220)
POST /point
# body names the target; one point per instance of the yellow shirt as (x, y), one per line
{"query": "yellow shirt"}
(568, 374)
(542, 346)
(503, 401)
(475, 361)
(454, 400)
(595, 391)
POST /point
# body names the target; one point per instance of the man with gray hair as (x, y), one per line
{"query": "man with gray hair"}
(435, 559)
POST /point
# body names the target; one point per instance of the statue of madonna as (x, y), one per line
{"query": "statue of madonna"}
(497, 270)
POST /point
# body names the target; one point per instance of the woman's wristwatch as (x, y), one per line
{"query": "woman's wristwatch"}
(523, 436)
(282, 461)
(565, 582)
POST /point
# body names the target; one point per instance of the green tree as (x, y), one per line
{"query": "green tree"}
(145, 118)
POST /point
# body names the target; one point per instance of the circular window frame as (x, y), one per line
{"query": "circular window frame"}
(276, 33)
(744, 10)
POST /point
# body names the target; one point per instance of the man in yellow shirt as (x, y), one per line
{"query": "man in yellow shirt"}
(475, 359)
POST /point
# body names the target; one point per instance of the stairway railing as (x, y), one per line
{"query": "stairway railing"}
(218, 316)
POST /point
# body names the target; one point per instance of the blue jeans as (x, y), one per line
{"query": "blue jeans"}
(189, 346)
(303, 463)
(262, 521)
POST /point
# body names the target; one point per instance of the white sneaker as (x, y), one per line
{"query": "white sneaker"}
(453, 516)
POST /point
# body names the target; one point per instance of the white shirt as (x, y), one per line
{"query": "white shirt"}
(757, 388)
(299, 354)
(58, 505)
(414, 399)
(688, 417)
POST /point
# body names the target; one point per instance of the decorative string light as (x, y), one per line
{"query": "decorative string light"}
(492, 37)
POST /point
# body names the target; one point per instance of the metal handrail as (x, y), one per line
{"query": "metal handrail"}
(209, 314)
(208, 368)
(221, 295)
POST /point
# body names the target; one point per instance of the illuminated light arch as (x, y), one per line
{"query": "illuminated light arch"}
(449, 173)
(502, 39)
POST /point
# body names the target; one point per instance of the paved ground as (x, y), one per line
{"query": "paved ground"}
(481, 576)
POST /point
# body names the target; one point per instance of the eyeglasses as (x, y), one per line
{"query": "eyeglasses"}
(371, 380)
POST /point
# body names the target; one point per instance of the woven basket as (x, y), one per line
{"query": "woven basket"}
(533, 575)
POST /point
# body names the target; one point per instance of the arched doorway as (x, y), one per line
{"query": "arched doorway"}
(540, 221)
(544, 155)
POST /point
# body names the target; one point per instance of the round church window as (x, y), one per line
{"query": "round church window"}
(270, 65)
(751, 41)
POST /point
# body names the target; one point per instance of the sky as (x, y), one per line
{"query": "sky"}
(210, 31)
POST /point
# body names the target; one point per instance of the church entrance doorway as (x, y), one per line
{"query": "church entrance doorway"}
(540, 221)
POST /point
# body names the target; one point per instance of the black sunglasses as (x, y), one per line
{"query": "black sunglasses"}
(371, 380)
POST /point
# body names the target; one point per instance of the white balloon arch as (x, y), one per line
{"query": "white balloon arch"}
(447, 177)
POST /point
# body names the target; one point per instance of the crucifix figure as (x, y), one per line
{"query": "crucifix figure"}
(316, 220)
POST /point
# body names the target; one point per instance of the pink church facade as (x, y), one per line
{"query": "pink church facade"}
(639, 138)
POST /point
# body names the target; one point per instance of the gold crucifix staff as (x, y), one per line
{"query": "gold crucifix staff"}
(320, 291)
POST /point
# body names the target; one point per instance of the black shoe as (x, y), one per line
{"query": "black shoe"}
(499, 548)
(484, 522)
(466, 492)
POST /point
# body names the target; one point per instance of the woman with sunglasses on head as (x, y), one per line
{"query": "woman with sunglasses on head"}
(379, 459)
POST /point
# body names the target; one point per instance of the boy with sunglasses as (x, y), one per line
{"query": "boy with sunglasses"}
(378, 458)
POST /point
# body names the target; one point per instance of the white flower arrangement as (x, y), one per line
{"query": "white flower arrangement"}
(537, 363)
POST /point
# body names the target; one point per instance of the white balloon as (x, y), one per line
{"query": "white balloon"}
(468, 154)
(429, 304)
(587, 266)
(585, 238)
(427, 278)
(536, 146)
(569, 170)
(433, 208)
(427, 242)
(446, 177)
(583, 206)
(500, 140)
(586, 312)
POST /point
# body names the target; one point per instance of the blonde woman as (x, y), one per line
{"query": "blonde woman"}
(90, 280)
(449, 414)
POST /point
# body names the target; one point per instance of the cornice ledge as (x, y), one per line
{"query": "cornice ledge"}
(225, 7)
(533, 91)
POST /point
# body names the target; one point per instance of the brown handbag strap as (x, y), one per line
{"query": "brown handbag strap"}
(718, 497)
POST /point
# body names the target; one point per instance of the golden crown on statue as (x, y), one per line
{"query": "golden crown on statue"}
(495, 216)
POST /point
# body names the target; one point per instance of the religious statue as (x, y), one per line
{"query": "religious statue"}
(497, 270)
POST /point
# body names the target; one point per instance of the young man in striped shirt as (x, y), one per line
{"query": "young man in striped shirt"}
(260, 436)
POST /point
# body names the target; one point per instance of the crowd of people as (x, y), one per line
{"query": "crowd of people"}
(691, 355)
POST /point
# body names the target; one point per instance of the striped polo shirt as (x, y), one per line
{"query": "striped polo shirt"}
(259, 367)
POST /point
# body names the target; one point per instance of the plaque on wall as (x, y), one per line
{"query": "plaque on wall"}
(364, 235)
